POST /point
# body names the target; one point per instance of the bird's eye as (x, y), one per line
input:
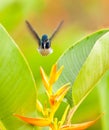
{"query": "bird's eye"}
(47, 45)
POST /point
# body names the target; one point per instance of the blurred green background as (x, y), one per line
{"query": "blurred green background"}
(80, 18)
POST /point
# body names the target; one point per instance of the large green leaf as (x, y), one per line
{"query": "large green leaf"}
(85, 64)
(17, 86)
(93, 69)
(74, 58)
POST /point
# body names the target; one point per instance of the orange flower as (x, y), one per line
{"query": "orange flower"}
(55, 100)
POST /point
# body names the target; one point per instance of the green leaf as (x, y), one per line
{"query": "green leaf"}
(17, 86)
(93, 69)
(73, 60)
(103, 89)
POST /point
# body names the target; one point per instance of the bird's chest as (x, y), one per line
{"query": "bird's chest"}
(45, 52)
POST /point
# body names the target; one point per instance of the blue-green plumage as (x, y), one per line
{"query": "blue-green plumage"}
(44, 37)
(44, 42)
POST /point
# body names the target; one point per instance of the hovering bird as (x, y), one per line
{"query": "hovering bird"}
(44, 43)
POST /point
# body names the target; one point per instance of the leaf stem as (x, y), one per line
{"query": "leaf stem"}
(70, 114)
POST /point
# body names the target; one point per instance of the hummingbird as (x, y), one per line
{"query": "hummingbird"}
(44, 43)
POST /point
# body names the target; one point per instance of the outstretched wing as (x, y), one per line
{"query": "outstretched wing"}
(33, 32)
(57, 29)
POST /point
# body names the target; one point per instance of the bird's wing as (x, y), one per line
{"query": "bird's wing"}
(57, 29)
(33, 32)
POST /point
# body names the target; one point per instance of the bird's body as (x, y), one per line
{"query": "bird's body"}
(45, 46)
(44, 42)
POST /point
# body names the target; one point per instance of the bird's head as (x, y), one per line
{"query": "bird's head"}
(44, 38)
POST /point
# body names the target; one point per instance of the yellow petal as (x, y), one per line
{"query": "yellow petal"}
(59, 95)
(62, 90)
(39, 106)
(64, 116)
(53, 75)
(58, 73)
(35, 121)
(45, 80)
(55, 100)
(80, 126)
